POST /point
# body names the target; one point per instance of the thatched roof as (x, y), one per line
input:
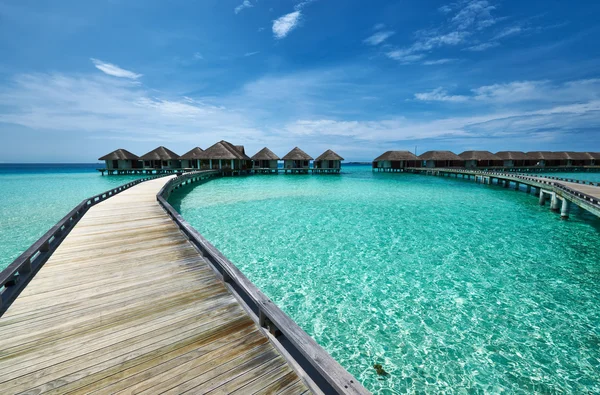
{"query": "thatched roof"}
(478, 155)
(297, 154)
(195, 153)
(160, 153)
(329, 155)
(513, 155)
(396, 156)
(440, 155)
(240, 148)
(265, 154)
(120, 154)
(579, 155)
(547, 155)
(594, 155)
(224, 150)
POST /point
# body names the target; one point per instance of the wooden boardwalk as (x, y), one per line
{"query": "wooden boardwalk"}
(126, 304)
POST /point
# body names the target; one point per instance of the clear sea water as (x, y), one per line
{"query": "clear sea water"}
(452, 286)
(34, 197)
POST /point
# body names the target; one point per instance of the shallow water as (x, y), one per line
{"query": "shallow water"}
(33, 198)
(448, 284)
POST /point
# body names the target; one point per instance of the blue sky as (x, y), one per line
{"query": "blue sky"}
(81, 78)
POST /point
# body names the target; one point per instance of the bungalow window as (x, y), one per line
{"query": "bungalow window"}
(164, 163)
(305, 163)
(146, 163)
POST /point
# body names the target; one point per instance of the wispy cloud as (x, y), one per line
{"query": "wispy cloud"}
(245, 4)
(251, 53)
(378, 37)
(379, 26)
(438, 62)
(474, 13)
(198, 56)
(439, 94)
(114, 70)
(509, 31)
(482, 46)
(522, 91)
(283, 25)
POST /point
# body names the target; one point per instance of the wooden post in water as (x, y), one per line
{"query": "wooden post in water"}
(564, 210)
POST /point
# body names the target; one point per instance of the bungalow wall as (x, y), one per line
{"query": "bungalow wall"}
(122, 164)
(444, 163)
(265, 164)
(327, 164)
(397, 164)
(190, 164)
(296, 164)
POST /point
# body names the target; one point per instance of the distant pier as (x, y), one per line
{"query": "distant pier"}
(562, 192)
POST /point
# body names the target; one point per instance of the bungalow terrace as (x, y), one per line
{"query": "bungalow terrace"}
(191, 159)
(297, 161)
(393, 161)
(121, 159)
(265, 161)
(328, 162)
(441, 159)
(161, 158)
(226, 156)
(480, 159)
(515, 159)
(579, 158)
(549, 159)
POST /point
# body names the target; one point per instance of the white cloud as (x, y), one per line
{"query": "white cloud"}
(438, 62)
(245, 4)
(439, 94)
(378, 37)
(283, 25)
(523, 91)
(475, 13)
(378, 26)
(403, 56)
(509, 31)
(114, 70)
(426, 42)
(198, 56)
(482, 46)
(251, 53)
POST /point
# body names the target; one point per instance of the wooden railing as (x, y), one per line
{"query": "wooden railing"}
(19, 273)
(545, 180)
(328, 375)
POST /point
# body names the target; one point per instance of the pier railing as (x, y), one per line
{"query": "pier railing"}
(302, 350)
(19, 273)
(551, 182)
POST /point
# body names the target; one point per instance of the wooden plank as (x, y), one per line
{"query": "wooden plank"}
(124, 300)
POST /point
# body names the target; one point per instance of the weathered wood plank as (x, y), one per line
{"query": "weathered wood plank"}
(124, 300)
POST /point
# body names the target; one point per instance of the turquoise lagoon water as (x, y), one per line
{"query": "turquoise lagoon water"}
(452, 286)
(33, 198)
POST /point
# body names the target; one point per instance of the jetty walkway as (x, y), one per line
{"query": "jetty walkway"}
(123, 296)
(562, 192)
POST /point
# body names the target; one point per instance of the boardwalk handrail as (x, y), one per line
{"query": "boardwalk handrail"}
(318, 365)
(19, 273)
(545, 180)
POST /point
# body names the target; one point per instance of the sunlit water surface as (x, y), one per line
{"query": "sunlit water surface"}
(452, 286)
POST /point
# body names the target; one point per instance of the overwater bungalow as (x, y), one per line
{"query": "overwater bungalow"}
(228, 157)
(328, 162)
(441, 159)
(161, 158)
(548, 158)
(595, 158)
(265, 161)
(297, 161)
(515, 159)
(394, 161)
(121, 159)
(480, 159)
(191, 159)
(579, 158)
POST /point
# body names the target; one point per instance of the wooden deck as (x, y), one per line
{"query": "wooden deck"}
(126, 304)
